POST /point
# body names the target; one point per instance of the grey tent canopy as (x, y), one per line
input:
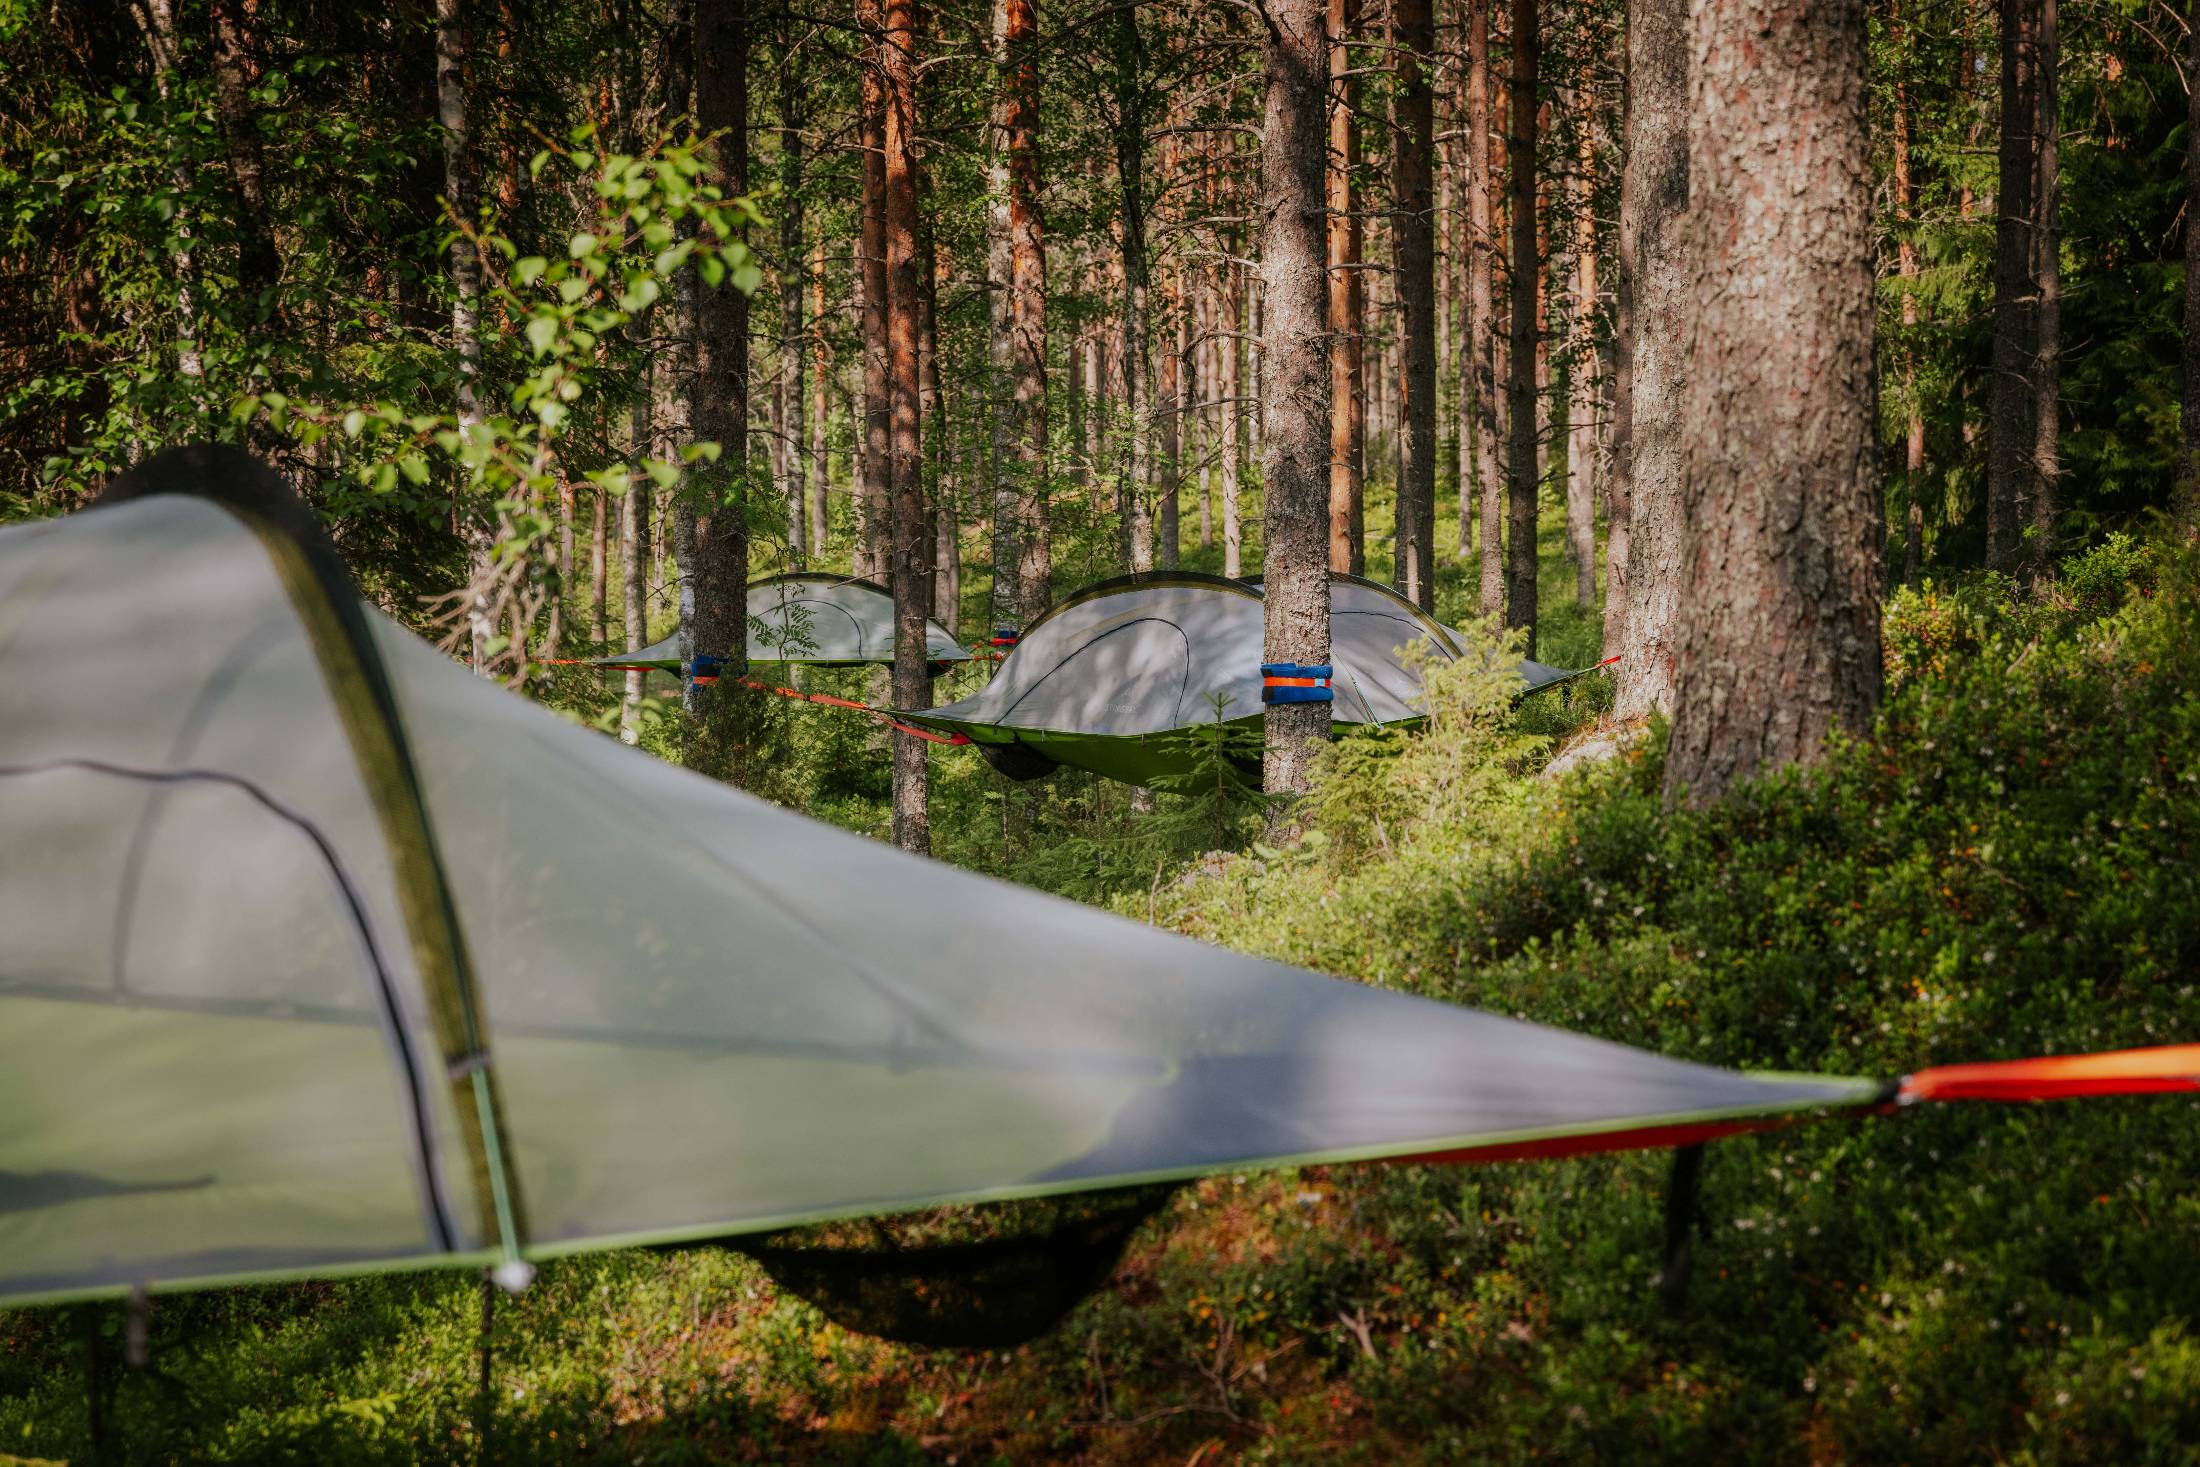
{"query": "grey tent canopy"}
(810, 619)
(320, 955)
(1111, 678)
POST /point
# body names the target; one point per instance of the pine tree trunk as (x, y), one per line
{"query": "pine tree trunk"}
(793, 256)
(634, 584)
(1661, 282)
(1233, 421)
(1780, 628)
(1581, 374)
(874, 520)
(817, 465)
(1347, 307)
(1294, 376)
(1481, 184)
(450, 88)
(1523, 478)
(1169, 408)
(718, 410)
(2046, 240)
(912, 688)
(1906, 267)
(2187, 505)
(599, 569)
(1130, 169)
(1414, 249)
(2012, 435)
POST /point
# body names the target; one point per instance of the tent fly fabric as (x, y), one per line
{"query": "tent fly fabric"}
(1112, 678)
(812, 620)
(319, 954)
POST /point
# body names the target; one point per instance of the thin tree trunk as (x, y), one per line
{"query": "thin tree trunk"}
(912, 687)
(450, 86)
(793, 256)
(1906, 267)
(1169, 407)
(718, 410)
(1780, 631)
(1347, 308)
(2187, 507)
(1000, 360)
(634, 580)
(1130, 169)
(2046, 464)
(1233, 422)
(1294, 377)
(258, 267)
(816, 463)
(1527, 275)
(1414, 249)
(875, 500)
(1660, 284)
(2012, 437)
(1581, 374)
(1480, 185)
(599, 569)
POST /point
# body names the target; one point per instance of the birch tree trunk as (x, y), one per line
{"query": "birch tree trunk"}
(1414, 248)
(1780, 626)
(450, 92)
(793, 257)
(258, 267)
(1654, 243)
(1294, 376)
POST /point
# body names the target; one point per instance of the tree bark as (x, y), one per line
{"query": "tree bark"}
(258, 267)
(1169, 409)
(2012, 396)
(817, 465)
(1581, 374)
(450, 90)
(1780, 631)
(2187, 506)
(599, 567)
(911, 570)
(1481, 325)
(793, 258)
(1906, 267)
(1294, 376)
(1022, 549)
(718, 409)
(1347, 308)
(1660, 284)
(1522, 486)
(874, 520)
(2046, 240)
(1233, 421)
(1413, 244)
(634, 584)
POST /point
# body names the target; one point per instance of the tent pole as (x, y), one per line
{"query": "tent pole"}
(1683, 1198)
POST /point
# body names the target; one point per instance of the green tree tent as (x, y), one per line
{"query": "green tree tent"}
(1114, 677)
(810, 619)
(319, 954)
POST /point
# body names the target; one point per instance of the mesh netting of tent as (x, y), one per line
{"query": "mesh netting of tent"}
(1115, 677)
(809, 619)
(320, 955)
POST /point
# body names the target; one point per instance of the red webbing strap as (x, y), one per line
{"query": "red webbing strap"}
(1639, 1138)
(2170, 1067)
(832, 702)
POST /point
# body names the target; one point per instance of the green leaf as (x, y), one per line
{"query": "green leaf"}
(413, 467)
(712, 269)
(534, 164)
(665, 474)
(542, 330)
(529, 270)
(746, 278)
(581, 244)
(354, 422)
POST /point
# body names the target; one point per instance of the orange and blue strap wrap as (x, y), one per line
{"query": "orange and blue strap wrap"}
(1295, 682)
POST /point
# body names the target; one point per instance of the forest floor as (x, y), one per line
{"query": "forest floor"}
(2005, 865)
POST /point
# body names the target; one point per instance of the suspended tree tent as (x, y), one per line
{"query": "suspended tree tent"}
(811, 620)
(319, 955)
(1351, 595)
(1115, 677)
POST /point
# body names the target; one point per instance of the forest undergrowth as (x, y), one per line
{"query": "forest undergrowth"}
(2004, 866)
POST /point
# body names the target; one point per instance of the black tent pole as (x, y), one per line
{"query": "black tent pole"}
(1683, 1195)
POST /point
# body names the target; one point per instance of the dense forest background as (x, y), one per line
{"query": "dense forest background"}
(1826, 364)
